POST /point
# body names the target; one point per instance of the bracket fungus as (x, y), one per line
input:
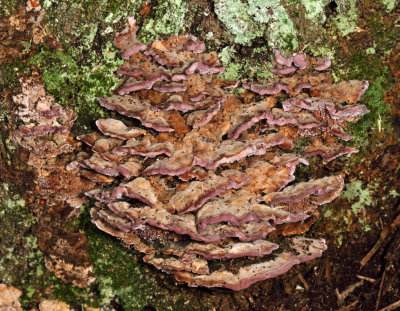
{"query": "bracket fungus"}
(54, 193)
(198, 179)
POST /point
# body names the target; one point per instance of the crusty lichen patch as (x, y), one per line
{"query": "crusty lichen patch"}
(256, 18)
(21, 261)
(389, 4)
(16, 220)
(168, 19)
(360, 198)
(346, 21)
(234, 14)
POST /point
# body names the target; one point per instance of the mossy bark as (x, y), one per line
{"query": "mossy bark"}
(77, 62)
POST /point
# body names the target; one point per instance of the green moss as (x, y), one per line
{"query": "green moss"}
(364, 66)
(82, 23)
(60, 73)
(169, 19)
(9, 79)
(369, 65)
(71, 295)
(117, 273)
(379, 117)
(9, 7)
(385, 36)
(21, 261)
(78, 83)
(123, 277)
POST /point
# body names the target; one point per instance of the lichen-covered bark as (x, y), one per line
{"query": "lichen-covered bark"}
(69, 43)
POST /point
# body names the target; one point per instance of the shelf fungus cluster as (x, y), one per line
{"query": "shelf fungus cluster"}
(55, 195)
(198, 179)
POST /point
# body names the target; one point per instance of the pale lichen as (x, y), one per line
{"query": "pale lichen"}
(234, 16)
(354, 190)
(257, 18)
(280, 29)
(360, 199)
(169, 19)
(389, 4)
(21, 261)
(315, 10)
(346, 20)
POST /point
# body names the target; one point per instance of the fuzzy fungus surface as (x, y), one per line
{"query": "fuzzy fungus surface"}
(201, 181)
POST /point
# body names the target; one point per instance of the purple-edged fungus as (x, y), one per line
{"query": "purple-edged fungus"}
(56, 194)
(209, 176)
(42, 118)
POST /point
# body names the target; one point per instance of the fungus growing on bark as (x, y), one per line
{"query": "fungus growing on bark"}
(207, 174)
(44, 132)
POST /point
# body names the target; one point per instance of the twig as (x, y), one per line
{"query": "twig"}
(366, 278)
(350, 289)
(302, 280)
(343, 295)
(393, 306)
(321, 268)
(349, 307)
(328, 270)
(302, 50)
(339, 297)
(374, 249)
(384, 234)
(378, 300)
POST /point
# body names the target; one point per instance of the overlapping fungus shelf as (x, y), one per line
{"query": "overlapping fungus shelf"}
(202, 182)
